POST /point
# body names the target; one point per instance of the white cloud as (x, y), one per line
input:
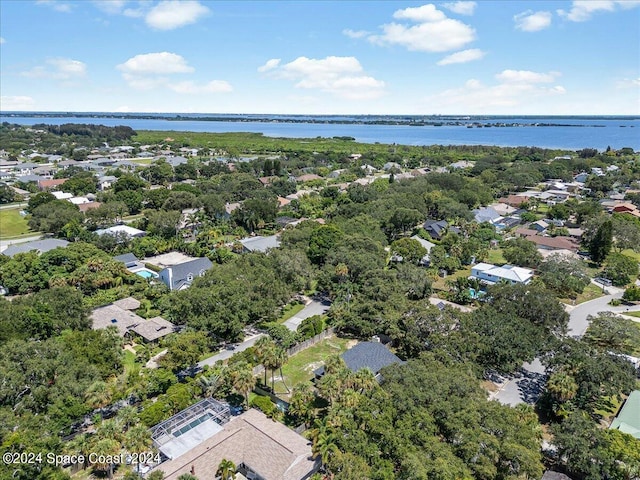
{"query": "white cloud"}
(152, 70)
(343, 77)
(424, 13)
(270, 65)
(434, 32)
(156, 63)
(16, 103)
(461, 8)
(628, 83)
(514, 89)
(170, 14)
(526, 76)
(529, 21)
(582, 10)
(189, 87)
(58, 69)
(111, 7)
(355, 33)
(2, 40)
(57, 6)
(463, 57)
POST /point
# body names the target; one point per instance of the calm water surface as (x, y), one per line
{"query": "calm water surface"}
(574, 134)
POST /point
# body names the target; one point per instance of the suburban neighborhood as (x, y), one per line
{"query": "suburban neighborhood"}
(295, 311)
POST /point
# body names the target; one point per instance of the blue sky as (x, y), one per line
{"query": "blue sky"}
(322, 57)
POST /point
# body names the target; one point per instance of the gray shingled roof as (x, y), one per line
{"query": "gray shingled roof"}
(372, 355)
(126, 258)
(180, 273)
(40, 246)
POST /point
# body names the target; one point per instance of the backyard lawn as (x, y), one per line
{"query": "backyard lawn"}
(441, 283)
(12, 224)
(496, 257)
(300, 367)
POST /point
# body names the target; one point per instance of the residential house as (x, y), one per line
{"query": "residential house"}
(554, 243)
(259, 243)
(122, 230)
(628, 208)
(424, 261)
(130, 261)
(391, 166)
(106, 181)
(628, 418)
(181, 276)
(368, 169)
(492, 274)
(436, 228)
(261, 448)
(461, 165)
(40, 246)
(266, 181)
(120, 314)
(540, 226)
(371, 355)
(25, 168)
(487, 214)
(45, 185)
(308, 177)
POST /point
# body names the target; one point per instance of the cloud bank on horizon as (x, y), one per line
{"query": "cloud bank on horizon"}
(383, 57)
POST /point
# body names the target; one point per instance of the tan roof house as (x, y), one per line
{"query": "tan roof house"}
(260, 448)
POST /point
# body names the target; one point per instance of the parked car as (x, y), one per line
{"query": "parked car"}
(603, 281)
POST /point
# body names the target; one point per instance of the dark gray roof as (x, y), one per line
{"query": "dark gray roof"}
(372, 355)
(40, 246)
(126, 258)
(549, 475)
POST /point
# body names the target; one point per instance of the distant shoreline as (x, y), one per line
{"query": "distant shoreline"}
(469, 121)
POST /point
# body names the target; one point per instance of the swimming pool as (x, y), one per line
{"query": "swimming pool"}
(145, 273)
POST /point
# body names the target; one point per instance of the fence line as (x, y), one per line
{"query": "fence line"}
(329, 332)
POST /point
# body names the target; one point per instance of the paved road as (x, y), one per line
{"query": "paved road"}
(13, 205)
(225, 354)
(314, 307)
(5, 243)
(527, 385)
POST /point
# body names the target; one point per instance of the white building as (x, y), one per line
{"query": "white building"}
(492, 274)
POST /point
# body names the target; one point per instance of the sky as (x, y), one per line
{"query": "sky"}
(321, 57)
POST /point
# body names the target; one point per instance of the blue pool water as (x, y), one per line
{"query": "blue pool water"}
(147, 274)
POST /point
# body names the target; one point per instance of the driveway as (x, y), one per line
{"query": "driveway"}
(527, 385)
(313, 307)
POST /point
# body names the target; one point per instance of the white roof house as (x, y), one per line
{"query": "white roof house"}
(493, 274)
(126, 229)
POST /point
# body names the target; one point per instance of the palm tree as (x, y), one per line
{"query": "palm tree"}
(323, 443)
(263, 348)
(562, 386)
(106, 447)
(329, 387)
(280, 357)
(226, 470)
(243, 382)
(301, 403)
(79, 445)
(127, 416)
(137, 439)
(209, 384)
(364, 380)
(97, 395)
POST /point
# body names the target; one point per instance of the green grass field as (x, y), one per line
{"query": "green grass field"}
(441, 283)
(289, 311)
(299, 368)
(496, 257)
(12, 224)
(590, 292)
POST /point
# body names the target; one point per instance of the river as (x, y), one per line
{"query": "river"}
(571, 133)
